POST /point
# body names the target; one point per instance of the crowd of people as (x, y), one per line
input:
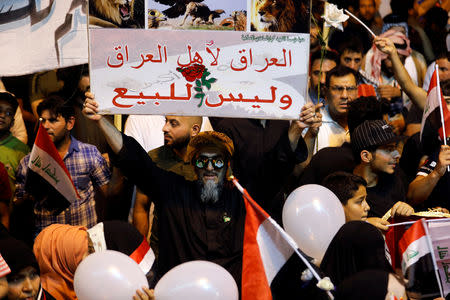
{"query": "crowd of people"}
(164, 184)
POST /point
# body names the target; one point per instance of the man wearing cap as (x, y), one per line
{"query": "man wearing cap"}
(202, 219)
(374, 145)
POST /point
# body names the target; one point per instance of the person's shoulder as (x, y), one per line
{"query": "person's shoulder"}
(160, 152)
(85, 148)
(345, 148)
(17, 144)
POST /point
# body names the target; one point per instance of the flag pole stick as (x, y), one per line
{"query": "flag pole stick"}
(412, 222)
(360, 22)
(284, 234)
(441, 109)
(430, 246)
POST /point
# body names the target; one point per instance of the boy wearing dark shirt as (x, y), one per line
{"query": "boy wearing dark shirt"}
(374, 145)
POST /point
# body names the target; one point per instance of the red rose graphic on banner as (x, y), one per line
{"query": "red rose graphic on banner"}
(198, 73)
(192, 72)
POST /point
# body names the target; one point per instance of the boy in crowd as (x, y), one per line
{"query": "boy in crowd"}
(374, 145)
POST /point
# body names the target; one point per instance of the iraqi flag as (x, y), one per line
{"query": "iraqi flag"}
(270, 267)
(435, 110)
(417, 261)
(48, 179)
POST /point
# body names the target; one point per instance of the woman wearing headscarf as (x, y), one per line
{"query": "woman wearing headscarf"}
(59, 249)
(22, 281)
(356, 247)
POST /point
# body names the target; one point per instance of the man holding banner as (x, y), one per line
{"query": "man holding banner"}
(201, 219)
(60, 179)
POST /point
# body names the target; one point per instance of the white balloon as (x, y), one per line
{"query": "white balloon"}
(197, 280)
(312, 214)
(108, 275)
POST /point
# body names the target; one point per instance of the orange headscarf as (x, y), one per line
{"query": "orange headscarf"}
(59, 250)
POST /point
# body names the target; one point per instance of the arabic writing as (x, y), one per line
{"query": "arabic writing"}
(272, 38)
(48, 169)
(122, 93)
(194, 58)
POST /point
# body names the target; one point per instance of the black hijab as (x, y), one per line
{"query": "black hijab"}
(356, 247)
(16, 253)
(368, 285)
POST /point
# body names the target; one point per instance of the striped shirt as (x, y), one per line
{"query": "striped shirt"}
(87, 168)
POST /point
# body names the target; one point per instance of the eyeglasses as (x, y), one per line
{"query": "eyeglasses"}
(203, 162)
(340, 89)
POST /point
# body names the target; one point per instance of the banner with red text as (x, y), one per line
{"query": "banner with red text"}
(229, 74)
(204, 58)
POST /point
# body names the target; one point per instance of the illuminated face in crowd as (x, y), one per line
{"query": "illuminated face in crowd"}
(444, 69)
(6, 115)
(385, 159)
(57, 127)
(24, 285)
(341, 92)
(367, 9)
(356, 208)
(317, 76)
(350, 59)
(176, 132)
(210, 167)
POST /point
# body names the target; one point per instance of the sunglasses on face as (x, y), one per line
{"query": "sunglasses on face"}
(203, 162)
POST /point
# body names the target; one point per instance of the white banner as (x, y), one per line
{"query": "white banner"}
(440, 236)
(206, 73)
(39, 35)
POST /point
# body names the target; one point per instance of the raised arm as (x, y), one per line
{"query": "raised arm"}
(422, 187)
(417, 95)
(112, 135)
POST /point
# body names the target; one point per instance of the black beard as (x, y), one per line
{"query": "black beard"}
(180, 143)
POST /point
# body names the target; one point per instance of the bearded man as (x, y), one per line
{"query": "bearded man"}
(202, 219)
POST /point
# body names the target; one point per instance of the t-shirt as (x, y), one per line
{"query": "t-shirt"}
(440, 194)
(12, 150)
(390, 189)
(331, 133)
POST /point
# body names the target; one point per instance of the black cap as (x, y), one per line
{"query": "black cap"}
(10, 98)
(373, 133)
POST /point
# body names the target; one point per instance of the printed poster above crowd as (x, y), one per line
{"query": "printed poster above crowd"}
(208, 58)
(40, 35)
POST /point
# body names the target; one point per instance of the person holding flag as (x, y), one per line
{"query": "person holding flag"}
(431, 184)
(60, 173)
(205, 219)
